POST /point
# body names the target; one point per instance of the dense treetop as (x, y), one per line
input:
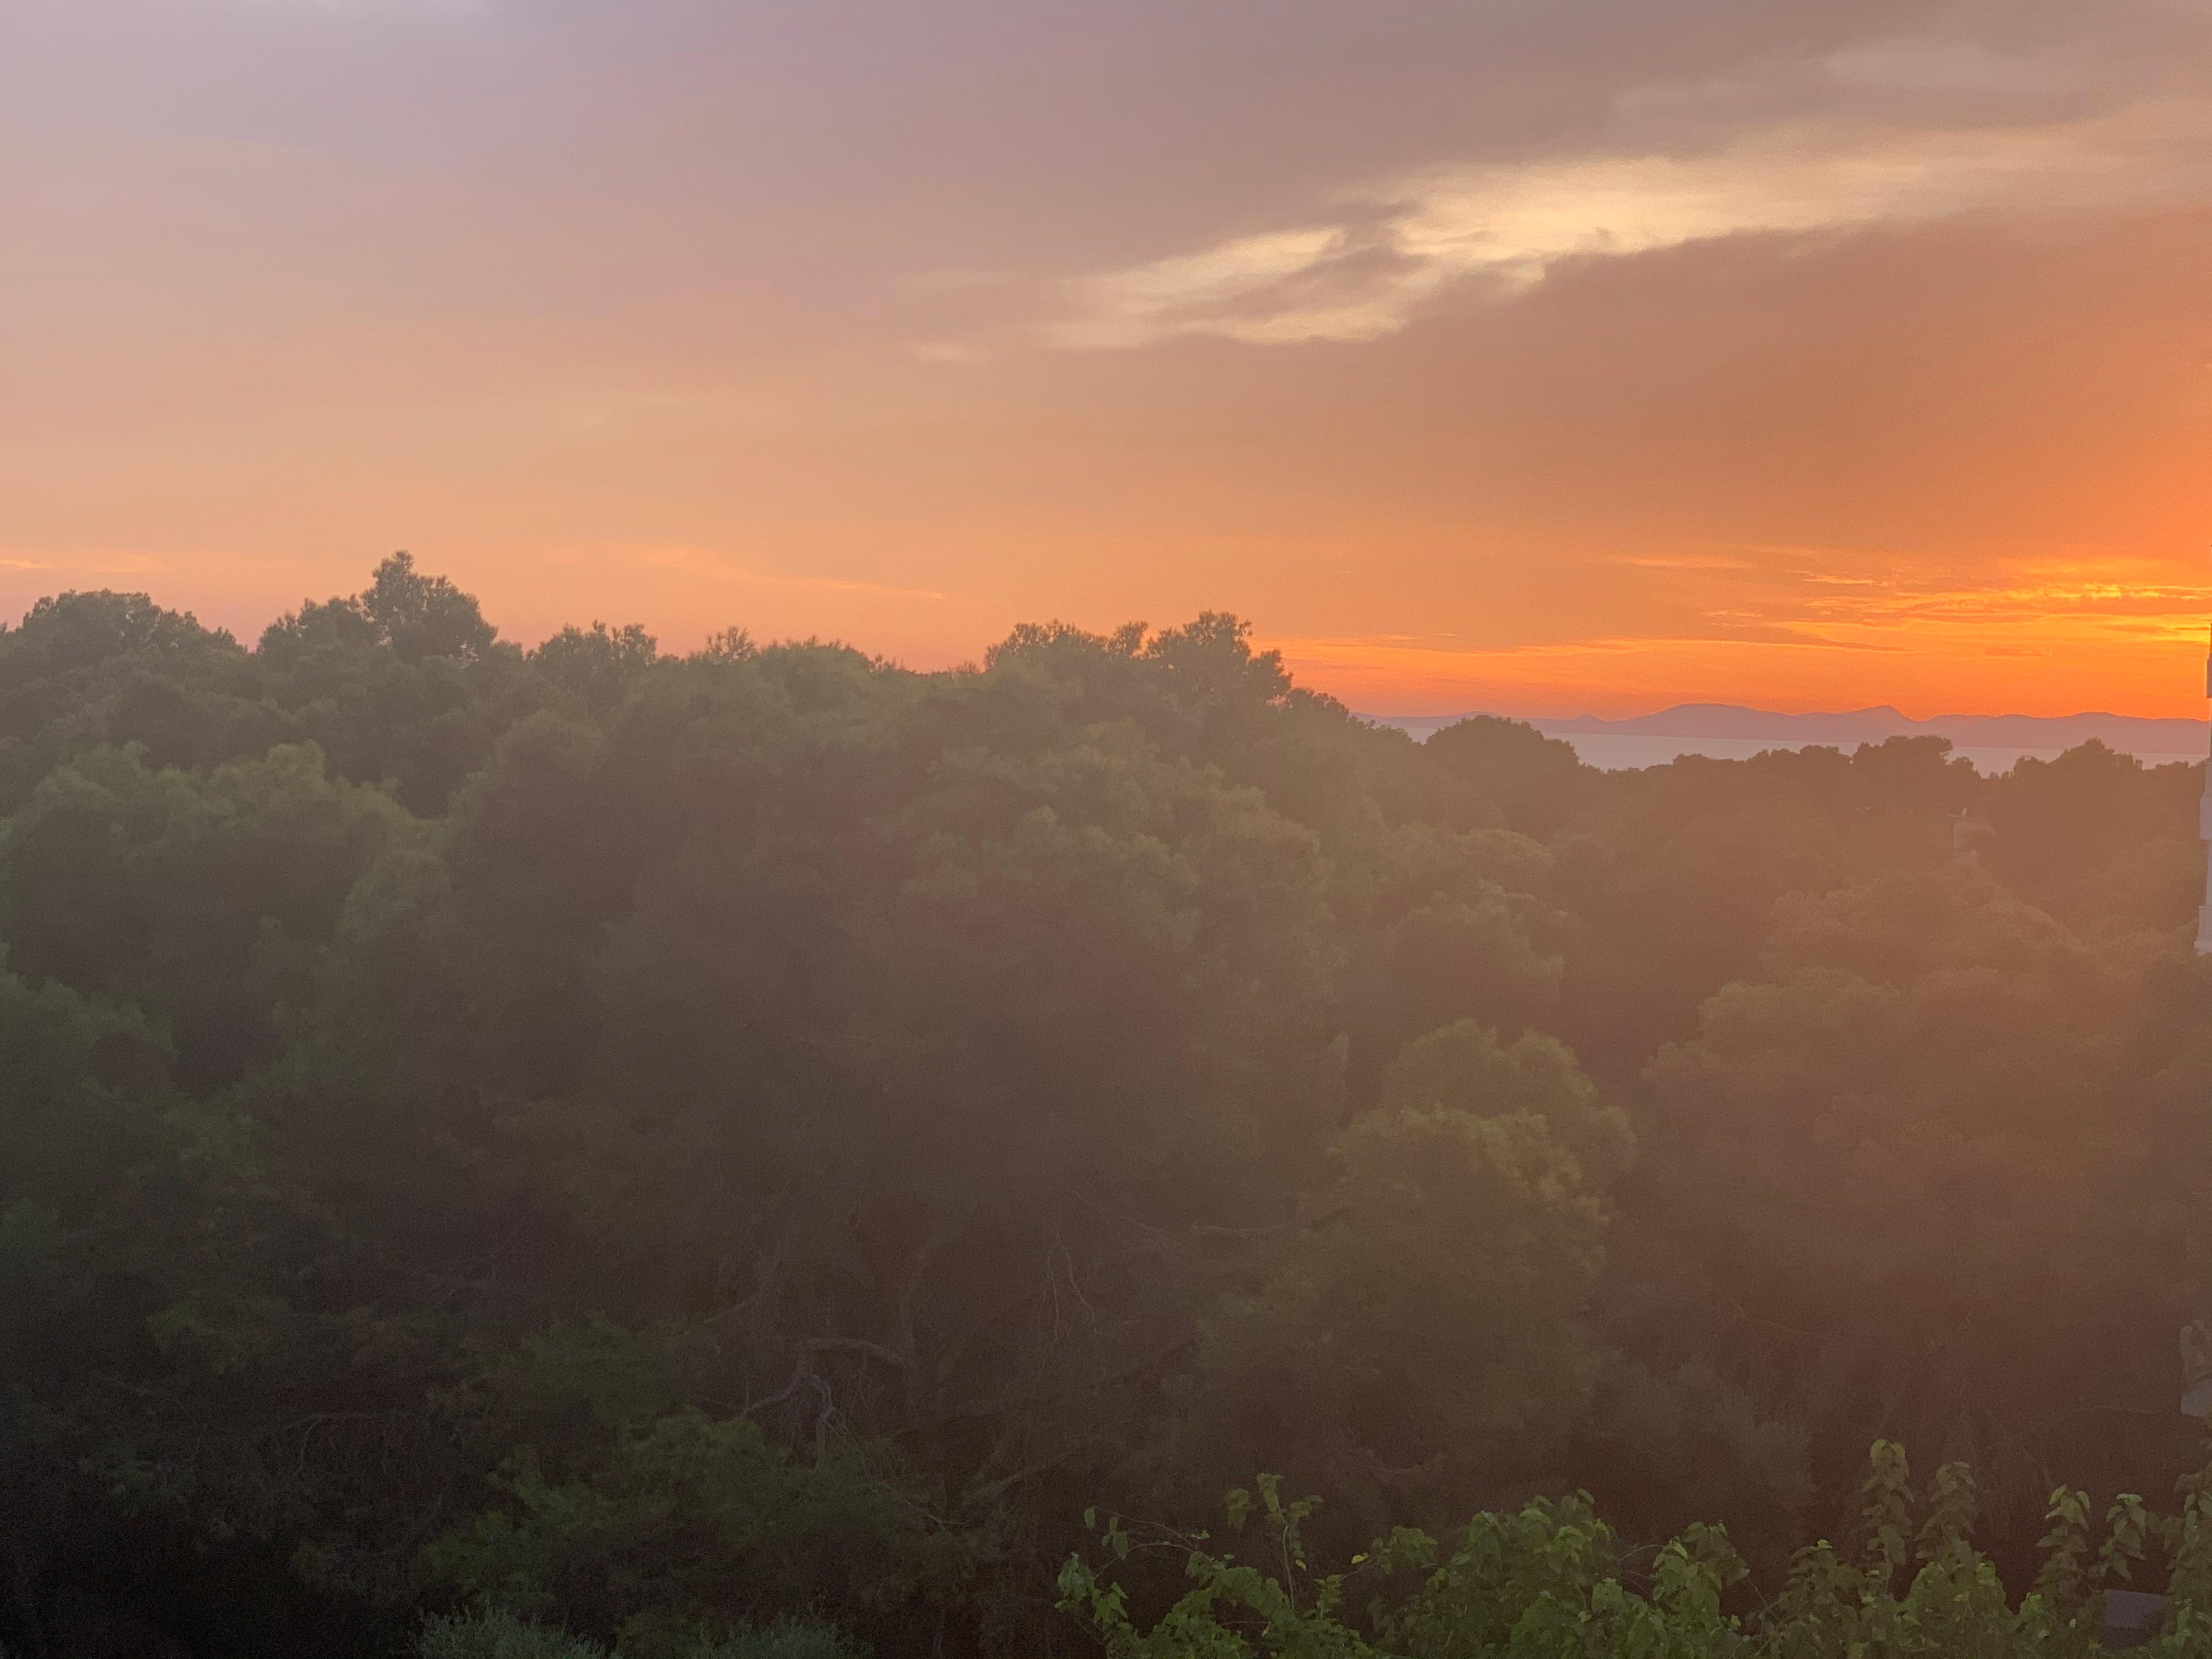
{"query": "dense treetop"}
(659, 1142)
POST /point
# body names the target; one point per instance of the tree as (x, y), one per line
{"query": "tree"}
(1422, 1332)
(1920, 1179)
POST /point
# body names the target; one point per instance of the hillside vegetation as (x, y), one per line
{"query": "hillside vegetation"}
(738, 1152)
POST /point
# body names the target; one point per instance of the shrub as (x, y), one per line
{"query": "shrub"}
(1549, 1583)
(491, 1634)
(494, 1635)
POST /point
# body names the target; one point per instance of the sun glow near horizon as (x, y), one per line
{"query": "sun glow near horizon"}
(2071, 640)
(1550, 363)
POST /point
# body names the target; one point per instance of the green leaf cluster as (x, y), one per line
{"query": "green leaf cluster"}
(1553, 1581)
(655, 1142)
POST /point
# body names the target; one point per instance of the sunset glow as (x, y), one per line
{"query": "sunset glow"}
(1584, 358)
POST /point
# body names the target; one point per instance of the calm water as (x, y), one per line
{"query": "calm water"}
(1621, 751)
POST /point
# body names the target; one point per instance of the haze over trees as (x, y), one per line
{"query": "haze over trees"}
(661, 1145)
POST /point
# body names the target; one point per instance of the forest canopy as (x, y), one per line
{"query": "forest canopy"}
(669, 1146)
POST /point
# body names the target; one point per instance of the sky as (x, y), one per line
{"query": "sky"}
(1546, 356)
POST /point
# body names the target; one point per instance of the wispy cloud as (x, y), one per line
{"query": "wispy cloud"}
(1385, 251)
(2158, 610)
(1789, 618)
(365, 7)
(78, 563)
(706, 564)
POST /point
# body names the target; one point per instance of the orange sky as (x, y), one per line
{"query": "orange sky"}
(1586, 357)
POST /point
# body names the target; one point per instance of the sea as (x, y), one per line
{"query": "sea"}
(1625, 751)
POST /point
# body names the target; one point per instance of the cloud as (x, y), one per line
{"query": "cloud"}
(297, 281)
(1392, 247)
(694, 560)
(78, 561)
(360, 8)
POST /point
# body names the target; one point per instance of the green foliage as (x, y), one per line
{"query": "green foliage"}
(2064, 1579)
(1886, 1515)
(1929, 1109)
(496, 1635)
(85, 671)
(1552, 1581)
(596, 666)
(492, 1634)
(201, 898)
(667, 1142)
(786, 1638)
(1542, 1582)
(1429, 1317)
(685, 1523)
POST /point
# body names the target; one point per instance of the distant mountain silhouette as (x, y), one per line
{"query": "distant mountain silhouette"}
(2152, 739)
